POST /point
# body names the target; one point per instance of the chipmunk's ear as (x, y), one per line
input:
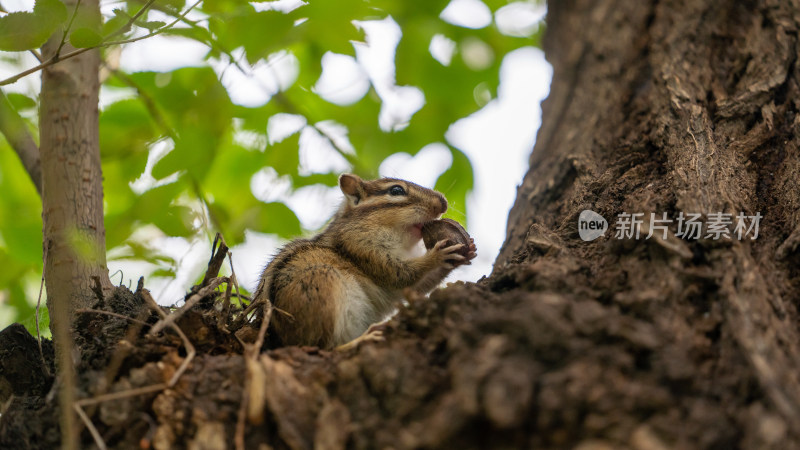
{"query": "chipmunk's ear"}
(352, 186)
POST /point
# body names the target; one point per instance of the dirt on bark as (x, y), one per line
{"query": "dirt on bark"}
(663, 107)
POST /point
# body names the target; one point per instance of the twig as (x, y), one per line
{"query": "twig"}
(101, 444)
(251, 353)
(112, 314)
(234, 279)
(121, 276)
(80, 51)
(202, 293)
(243, 315)
(262, 331)
(66, 30)
(36, 316)
(190, 351)
(217, 258)
(132, 20)
(222, 322)
(238, 438)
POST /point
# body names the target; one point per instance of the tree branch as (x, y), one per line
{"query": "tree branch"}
(56, 58)
(16, 132)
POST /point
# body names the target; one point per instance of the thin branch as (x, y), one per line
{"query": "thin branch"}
(81, 51)
(101, 444)
(66, 30)
(199, 295)
(112, 314)
(16, 132)
(36, 317)
(132, 20)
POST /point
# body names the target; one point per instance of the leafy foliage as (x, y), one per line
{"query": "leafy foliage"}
(179, 154)
(21, 31)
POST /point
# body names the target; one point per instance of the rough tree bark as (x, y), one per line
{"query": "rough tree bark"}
(72, 192)
(656, 106)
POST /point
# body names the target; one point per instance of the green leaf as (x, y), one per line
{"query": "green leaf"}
(20, 102)
(126, 127)
(116, 23)
(164, 273)
(85, 37)
(259, 33)
(53, 12)
(152, 25)
(277, 218)
(284, 156)
(20, 31)
(176, 221)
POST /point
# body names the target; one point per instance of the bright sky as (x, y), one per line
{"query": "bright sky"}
(498, 139)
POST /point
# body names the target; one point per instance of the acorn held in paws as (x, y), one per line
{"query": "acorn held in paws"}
(449, 230)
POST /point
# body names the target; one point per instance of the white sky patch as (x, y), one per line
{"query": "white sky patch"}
(343, 80)
(467, 13)
(337, 133)
(377, 57)
(109, 95)
(442, 49)
(498, 140)
(146, 180)
(283, 6)
(477, 55)
(250, 139)
(282, 125)
(251, 257)
(317, 154)
(268, 186)
(400, 103)
(161, 54)
(30, 85)
(424, 168)
(315, 205)
(520, 19)
(255, 85)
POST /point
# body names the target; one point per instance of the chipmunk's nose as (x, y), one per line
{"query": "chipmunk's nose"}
(442, 204)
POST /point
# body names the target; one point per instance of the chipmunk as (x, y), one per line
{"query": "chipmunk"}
(352, 275)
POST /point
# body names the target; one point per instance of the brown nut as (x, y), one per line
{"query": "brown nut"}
(445, 229)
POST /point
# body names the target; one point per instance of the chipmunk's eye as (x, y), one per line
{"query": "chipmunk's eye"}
(397, 190)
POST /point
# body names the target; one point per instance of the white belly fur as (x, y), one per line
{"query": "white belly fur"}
(359, 307)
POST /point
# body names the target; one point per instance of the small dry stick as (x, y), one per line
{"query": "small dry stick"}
(217, 258)
(222, 319)
(235, 280)
(112, 314)
(196, 297)
(101, 444)
(36, 316)
(251, 352)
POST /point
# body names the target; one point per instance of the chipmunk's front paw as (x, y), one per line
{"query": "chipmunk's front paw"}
(450, 256)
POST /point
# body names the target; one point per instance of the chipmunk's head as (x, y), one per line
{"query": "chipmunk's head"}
(391, 203)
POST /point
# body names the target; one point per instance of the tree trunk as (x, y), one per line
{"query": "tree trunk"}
(74, 236)
(662, 342)
(675, 107)
(72, 191)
